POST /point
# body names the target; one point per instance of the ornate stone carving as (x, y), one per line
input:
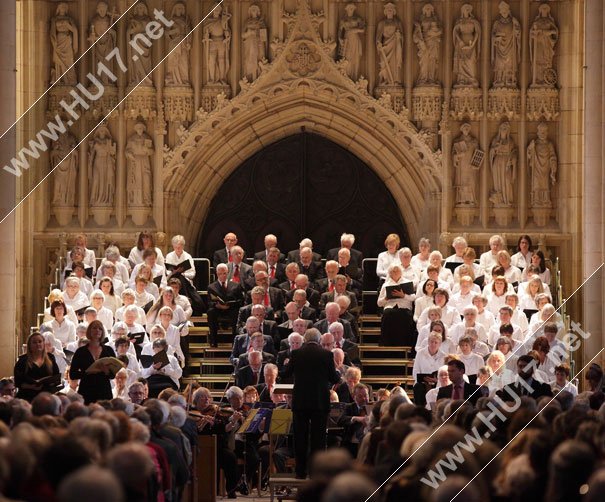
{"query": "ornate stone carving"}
(179, 42)
(139, 149)
(542, 103)
(254, 43)
(389, 47)
(426, 103)
(393, 93)
(350, 40)
(466, 102)
(106, 105)
(64, 46)
(217, 40)
(141, 102)
(139, 59)
(466, 168)
(100, 24)
(303, 59)
(427, 37)
(503, 103)
(102, 168)
(506, 48)
(64, 161)
(467, 48)
(210, 94)
(543, 37)
(178, 104)
(542, 164)
(503, 157)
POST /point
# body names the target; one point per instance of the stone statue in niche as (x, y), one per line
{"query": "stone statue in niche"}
(217, 39)
(177, 63)
(466, 171)
(543, 37)
(503, 162)
(542, 163)
(506, 48)
(350, 40)
(99, 25)
(64, 46)
(427, 37)
(102, 168)
(139, 150)
(65, 172)
(389, 45)
(467, 47)
(139, 60)
(254, 38)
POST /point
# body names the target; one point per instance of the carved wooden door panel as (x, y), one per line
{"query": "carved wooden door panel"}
(302, 186)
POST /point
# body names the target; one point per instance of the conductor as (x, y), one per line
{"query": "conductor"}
(313, 370)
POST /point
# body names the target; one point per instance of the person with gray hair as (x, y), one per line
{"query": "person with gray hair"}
(313, 371)
(225, 298)
(159, 375)
(346, 242)
(99, 485)
(459, 244)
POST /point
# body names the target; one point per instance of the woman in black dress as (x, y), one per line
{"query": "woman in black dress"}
(93, 386)
(36, 371)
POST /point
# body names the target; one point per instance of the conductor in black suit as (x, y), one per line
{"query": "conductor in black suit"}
(314, 373)
(459, 389)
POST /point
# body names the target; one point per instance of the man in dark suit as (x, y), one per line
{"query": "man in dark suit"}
(351, 349)
(295, 341)
(333, 315)
(289, 283)
(257, 343)
(275, 268)
(313, 371)
(270, 243)
(327, 283)
(257, 295)
(241, 342)
(239, 270)
(346, 242)
(351, 271)
(258, 266)
(272, 297)
(312, 295)
(299, 326)
(355, 419)
(340, 289)
(312, 269)
(459, 389)
(526, 384)
(266, 327)
(294, 255)
(224, 300)
(252, 374)
(265, 390)
(223, 255)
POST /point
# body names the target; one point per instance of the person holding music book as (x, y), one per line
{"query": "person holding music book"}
(97, 385)
(397, 297)
(36, 371)
(164, 371)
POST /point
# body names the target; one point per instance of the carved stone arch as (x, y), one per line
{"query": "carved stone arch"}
(394, 160)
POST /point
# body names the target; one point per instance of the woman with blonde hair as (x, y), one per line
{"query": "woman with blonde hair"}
(36, 371)
(388, 257)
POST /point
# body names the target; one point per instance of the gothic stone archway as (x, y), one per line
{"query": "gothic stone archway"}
(302, 186)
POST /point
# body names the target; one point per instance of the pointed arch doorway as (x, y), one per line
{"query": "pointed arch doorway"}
(302, 186)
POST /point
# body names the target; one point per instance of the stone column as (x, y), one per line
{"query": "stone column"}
(522, 176)
(8, 98)
(407, 20)
(447, 124)
(594, 174)
(484, 137)
(370, 48)
(236, 35)
(196, 54)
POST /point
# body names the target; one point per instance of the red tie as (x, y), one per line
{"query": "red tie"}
(338, 345)
(267, 301)
(292, 285)
(235, 277)
(457, 394)
(331, 287)
(272, 274)
(229, 257)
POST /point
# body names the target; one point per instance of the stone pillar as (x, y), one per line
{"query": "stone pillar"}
(594, 175)
(522, 176)
(196, 54)
(484, 137)
(236, 35)
(370, 73)
(8, 98)
(409, 52)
